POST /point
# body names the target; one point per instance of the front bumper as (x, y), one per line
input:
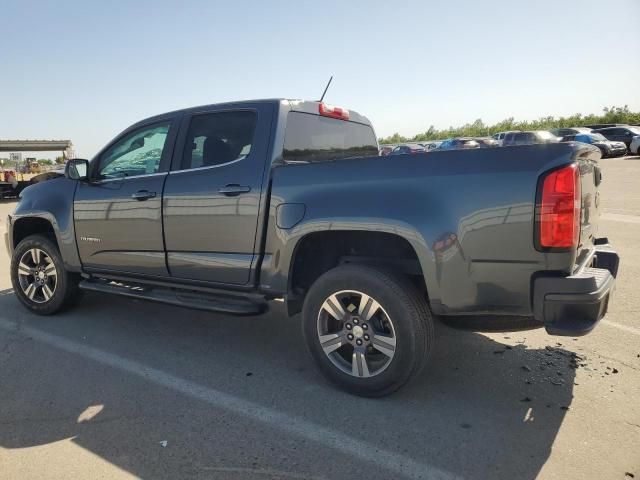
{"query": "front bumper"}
(617, 152)
(573, 305)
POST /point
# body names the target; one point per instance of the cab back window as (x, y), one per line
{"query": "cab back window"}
(312, 138)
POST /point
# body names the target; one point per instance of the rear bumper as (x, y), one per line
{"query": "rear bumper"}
(573, 305)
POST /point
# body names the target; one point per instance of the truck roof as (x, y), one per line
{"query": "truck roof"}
(305, 106)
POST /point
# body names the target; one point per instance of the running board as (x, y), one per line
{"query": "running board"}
(231, 304)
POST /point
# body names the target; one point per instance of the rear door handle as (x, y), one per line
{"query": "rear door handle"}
(143, 195)
(234, 189)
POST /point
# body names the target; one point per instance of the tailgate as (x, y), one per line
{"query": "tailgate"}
(591, 177)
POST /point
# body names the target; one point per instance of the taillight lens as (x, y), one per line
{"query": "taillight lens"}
(559, 209)
(333, 112)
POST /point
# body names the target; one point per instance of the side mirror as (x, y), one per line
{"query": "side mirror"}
(76, 169)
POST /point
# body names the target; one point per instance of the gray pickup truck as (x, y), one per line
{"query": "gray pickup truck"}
(226, 207)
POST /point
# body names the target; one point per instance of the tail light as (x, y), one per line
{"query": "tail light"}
(333, 112)
(559, 203)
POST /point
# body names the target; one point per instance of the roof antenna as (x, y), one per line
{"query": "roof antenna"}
(325, 89)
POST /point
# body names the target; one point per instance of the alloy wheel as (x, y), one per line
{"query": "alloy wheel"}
(356, 333)
(37, 275)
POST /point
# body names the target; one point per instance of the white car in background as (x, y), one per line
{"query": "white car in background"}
(634, 147)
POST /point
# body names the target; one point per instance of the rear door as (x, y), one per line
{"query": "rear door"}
(212, 195)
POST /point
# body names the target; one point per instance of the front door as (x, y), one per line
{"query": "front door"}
(212, 196)
(118, 214)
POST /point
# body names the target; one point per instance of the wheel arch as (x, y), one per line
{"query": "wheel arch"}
(45, 223)
(318, 252)
(23, 227)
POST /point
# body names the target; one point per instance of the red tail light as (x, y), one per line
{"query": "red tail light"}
(559, 209)
(333, 112)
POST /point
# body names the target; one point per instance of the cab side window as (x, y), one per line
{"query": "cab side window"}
(137, 153)
(215, 139)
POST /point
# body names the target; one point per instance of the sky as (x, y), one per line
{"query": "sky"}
(85, 70)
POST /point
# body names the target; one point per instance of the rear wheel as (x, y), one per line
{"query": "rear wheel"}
(368, 330)
(39, 278)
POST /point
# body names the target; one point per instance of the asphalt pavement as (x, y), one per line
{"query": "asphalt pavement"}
(118, 388)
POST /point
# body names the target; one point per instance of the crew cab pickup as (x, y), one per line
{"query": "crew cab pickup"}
(226, 207)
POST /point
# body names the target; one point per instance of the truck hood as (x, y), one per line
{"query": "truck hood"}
(46, 194)
(50, 175)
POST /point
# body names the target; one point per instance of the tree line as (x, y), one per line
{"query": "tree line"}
(479, 129)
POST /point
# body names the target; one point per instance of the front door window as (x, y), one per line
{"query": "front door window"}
(138, 153)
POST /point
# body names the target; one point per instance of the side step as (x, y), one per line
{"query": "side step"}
(231, 304)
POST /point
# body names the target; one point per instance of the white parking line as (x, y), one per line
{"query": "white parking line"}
(635, 331)
(351, 447)
(619, 217)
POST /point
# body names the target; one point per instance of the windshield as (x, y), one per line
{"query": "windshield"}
(597, 137)
(635, 130)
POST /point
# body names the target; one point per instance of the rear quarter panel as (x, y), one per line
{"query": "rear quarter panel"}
(469, 215)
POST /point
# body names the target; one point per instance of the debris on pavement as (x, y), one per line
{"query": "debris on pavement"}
(163, 443)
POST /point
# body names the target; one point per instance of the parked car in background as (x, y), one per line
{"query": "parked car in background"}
(607, 147)
(432, 145)
(598, 126)
(499, 137)
(385, 150)
(407, 149)
(635, 145)
(529, 138)
(461, 143)
(565, 132)
(620, 134)
(485, 142)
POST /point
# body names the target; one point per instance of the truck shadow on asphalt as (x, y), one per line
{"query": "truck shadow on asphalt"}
(481, 408)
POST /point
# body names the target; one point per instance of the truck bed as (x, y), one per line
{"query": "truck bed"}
(469, 215)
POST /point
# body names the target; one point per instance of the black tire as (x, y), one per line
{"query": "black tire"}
(65, 292)
(400, 302)
(603, 152)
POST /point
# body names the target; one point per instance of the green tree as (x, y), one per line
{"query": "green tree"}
(611, 114)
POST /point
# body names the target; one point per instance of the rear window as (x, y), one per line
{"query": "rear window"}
(312, 138)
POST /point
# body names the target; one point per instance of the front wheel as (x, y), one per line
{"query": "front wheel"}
(39, 278)
(604, 153)
(368, 330)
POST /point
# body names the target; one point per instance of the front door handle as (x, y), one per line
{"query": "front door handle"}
(143, 195)
(233, 189)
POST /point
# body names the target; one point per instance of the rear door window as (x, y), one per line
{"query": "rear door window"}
(313, 138)
(215, 139)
